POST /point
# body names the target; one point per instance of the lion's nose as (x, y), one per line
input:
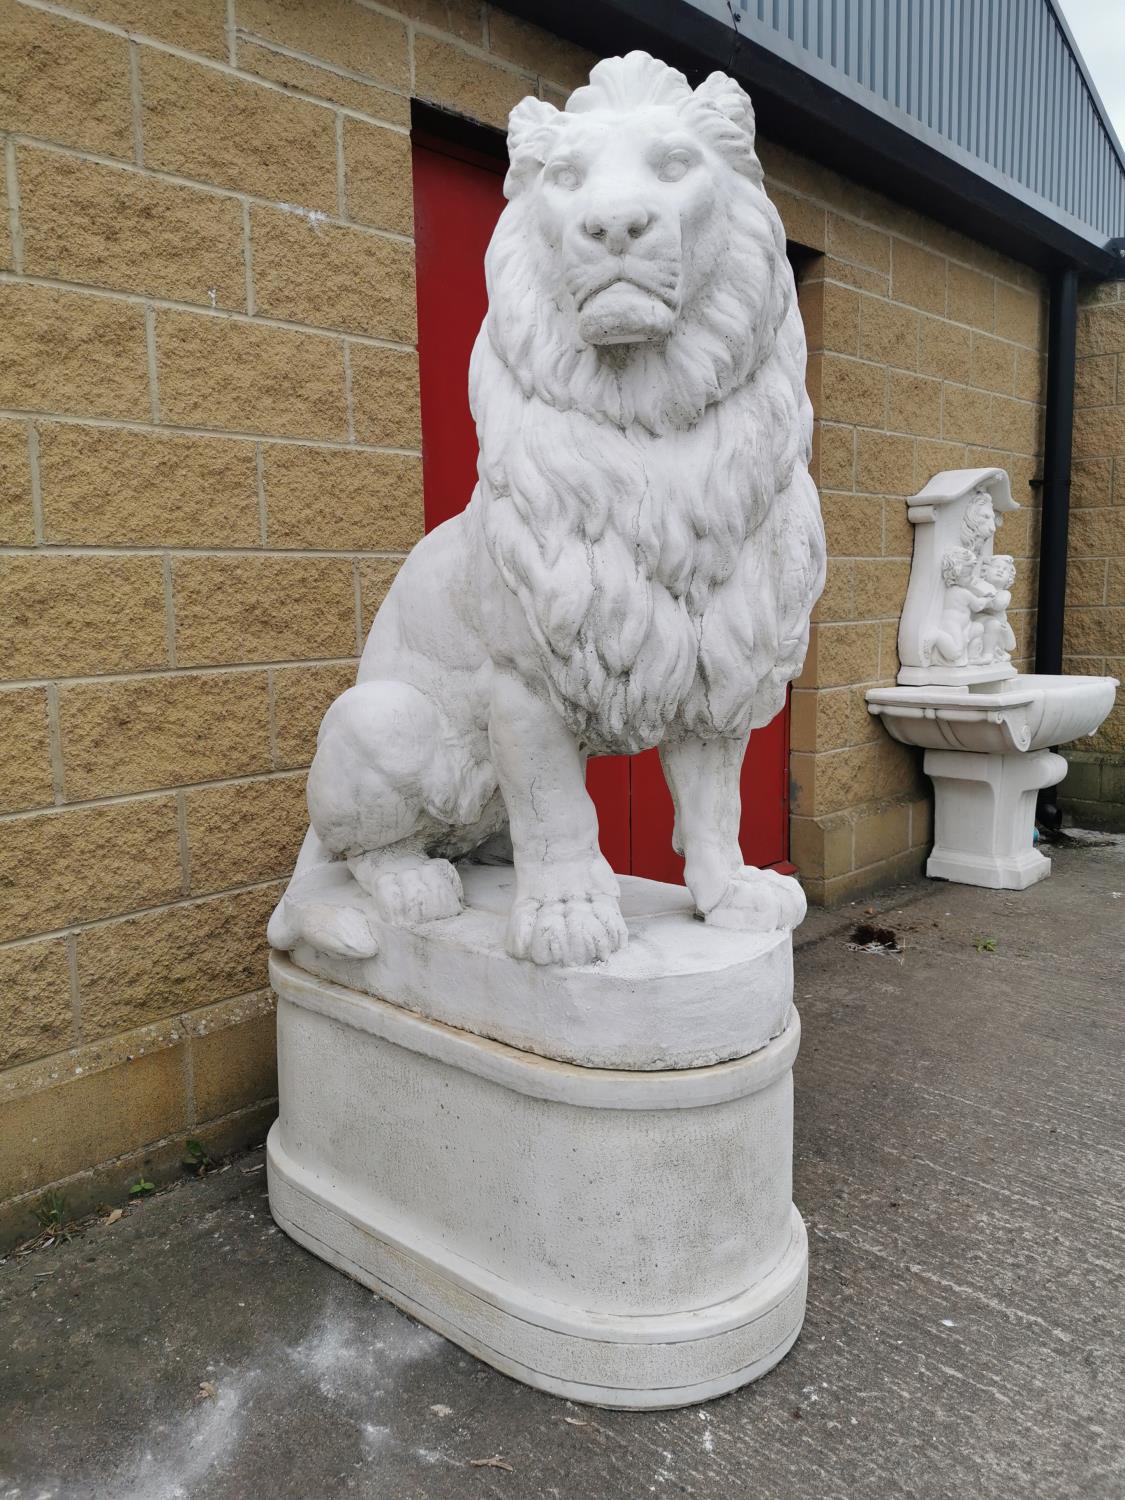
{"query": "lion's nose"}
(617, 225)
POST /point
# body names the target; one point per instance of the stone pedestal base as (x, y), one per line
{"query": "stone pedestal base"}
(623, 1236)
(984, 816)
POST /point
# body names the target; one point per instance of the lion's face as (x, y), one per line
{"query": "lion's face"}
(628, 207)
(638, 273)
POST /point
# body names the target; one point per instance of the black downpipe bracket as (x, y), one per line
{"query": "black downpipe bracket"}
(1054, 523)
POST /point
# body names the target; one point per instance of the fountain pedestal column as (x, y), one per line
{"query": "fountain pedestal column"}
(984, 816)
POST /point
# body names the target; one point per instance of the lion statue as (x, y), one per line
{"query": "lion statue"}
(639, 558)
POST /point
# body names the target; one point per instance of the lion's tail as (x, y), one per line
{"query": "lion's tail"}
(331, 928)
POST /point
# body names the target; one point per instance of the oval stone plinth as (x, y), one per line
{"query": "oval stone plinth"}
(620, 1237)
(680, 994)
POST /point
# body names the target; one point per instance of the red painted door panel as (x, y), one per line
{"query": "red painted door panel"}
(457, 200)
(456, 205)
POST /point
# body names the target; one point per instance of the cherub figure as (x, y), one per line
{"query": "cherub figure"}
(998, 639)
(966, 594)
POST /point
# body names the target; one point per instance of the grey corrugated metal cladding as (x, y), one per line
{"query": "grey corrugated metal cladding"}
(994, 79)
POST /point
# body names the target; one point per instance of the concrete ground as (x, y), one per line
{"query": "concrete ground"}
(960, 1162)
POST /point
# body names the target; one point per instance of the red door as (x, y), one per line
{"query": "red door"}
(457, 200)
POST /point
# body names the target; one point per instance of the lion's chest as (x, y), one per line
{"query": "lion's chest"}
(637, 667)
(632, 557)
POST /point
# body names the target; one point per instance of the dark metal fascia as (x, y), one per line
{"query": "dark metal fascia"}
(1115, 249)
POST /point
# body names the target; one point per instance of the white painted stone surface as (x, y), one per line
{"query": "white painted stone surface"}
(550, 1112)
(624, 1238)
(1028, 712)
(954, 629)
(984, 816)
(987, 731)
(637, 564)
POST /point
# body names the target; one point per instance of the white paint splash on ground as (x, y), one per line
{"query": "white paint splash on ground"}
(708, 1438)
(174, 1462)
(349, 1365)
(353, 1362)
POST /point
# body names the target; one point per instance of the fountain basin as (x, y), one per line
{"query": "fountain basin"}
(1021, 715)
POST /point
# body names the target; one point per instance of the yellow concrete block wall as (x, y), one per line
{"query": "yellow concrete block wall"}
(926, 352)
(1094, 639)
(210, 470)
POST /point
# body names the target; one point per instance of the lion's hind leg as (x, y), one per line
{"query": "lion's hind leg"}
(406, 885)
(388, 779)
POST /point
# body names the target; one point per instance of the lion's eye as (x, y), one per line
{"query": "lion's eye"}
(565, 177)
(675, 165)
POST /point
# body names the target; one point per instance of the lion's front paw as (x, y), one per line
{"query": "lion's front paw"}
(571, 930)
(418, 893)
(759, 901)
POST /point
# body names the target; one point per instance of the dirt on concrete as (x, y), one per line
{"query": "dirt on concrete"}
(960, 1162)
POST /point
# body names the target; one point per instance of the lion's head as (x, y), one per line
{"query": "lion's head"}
(638, 271)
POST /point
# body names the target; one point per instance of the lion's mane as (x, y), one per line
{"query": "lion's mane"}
(653, 513)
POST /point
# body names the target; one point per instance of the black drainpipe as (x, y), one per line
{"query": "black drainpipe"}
(1058, 434)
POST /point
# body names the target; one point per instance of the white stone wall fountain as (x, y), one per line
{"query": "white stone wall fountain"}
(987, 730)
(547, 1111)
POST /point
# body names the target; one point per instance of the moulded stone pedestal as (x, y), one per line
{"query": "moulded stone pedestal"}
(617, 1235)
(984, 816)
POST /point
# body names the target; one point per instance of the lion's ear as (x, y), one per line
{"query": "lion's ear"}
(726, 108)
(531, 126)
(721, 92)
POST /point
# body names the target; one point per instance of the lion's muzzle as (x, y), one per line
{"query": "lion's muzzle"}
(625, 300)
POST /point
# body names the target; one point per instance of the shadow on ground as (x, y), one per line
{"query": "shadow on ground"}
(960, 1162)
